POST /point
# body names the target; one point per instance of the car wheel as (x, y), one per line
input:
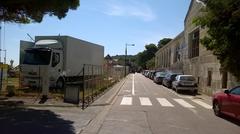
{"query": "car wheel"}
(194, 92)
(216, 108)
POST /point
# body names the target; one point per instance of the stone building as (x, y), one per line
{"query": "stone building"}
(171, 56)
(195, 59)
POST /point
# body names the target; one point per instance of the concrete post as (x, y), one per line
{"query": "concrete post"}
(45, 82)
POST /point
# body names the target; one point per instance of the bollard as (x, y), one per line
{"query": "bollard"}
(45, 84)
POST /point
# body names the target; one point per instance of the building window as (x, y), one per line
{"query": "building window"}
(209, 79)
(177, 55)
(169, 57)
(194, 44)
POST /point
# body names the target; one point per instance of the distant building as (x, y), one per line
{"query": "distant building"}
(108, 61)
(186, 53)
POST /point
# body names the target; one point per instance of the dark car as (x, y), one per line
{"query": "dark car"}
(159, 77)
(170, 77)
(153, 73)
(150, 74)
(145, 72)
(227, 102)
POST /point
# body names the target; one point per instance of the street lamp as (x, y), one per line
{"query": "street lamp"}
(4, 50)
(125, 69)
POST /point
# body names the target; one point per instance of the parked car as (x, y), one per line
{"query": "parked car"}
(170, 77)
(145, 73)
(159, 77)
(185, 82)
(227, 102)
(153, 73)
(150, 74)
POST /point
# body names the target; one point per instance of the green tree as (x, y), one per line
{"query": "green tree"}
(141, 59)
(163, 42)
(27, 11)
(146, 55)
(150, 63)
(222, 19)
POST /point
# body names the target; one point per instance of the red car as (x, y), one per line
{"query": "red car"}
(227, 102)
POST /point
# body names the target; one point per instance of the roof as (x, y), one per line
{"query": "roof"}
(108, 57)
(189, 9)
(174, 39)
(191, 5)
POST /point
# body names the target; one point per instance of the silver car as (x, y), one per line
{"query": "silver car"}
(185, 82)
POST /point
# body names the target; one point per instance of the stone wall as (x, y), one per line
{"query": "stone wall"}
(205, 67)
(171, 55)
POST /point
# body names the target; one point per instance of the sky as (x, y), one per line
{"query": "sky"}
(110, 23)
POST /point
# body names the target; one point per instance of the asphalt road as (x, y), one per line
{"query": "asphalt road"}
(143, 107)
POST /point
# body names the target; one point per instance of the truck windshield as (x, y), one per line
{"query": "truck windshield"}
(37, 57)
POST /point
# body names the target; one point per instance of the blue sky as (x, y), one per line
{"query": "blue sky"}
(111, 23)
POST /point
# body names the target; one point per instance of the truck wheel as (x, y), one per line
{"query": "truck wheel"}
(60, 83)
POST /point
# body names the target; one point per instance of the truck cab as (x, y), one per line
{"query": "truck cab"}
(45, 55)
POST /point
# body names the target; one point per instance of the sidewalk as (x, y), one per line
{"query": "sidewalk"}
(32, 118)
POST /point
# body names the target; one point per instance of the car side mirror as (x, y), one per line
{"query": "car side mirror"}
(226, 91)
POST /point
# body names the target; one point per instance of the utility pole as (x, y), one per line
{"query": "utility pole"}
(0, 41)
(125, 67)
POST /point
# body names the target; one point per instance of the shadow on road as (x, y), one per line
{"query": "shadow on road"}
(31, 121)
(230, 119)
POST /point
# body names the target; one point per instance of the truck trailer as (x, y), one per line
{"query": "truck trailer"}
(62, 57)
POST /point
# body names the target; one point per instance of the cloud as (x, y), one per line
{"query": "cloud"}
(131, 8)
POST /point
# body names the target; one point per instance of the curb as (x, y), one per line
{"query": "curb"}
(111, 98)
(95, 124)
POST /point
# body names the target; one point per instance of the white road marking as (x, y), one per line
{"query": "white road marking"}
(183, 103)
(133, 90)
(145, 101)
(205, 105)
(126, 101)
(164, 102)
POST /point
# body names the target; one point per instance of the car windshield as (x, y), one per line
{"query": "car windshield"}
(37, 57)
(161, 74)
(187, 78)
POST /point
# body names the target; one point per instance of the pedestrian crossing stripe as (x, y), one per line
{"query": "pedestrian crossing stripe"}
(126, 101)
(205, 105)
(145, 101)
(184, 103)
(164, 102)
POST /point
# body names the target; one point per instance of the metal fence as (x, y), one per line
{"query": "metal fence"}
(4, 76)
(96, 80)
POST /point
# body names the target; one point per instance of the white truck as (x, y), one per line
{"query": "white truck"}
(61, 57)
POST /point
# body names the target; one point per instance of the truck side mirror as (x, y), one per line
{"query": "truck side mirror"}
(55, 59)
